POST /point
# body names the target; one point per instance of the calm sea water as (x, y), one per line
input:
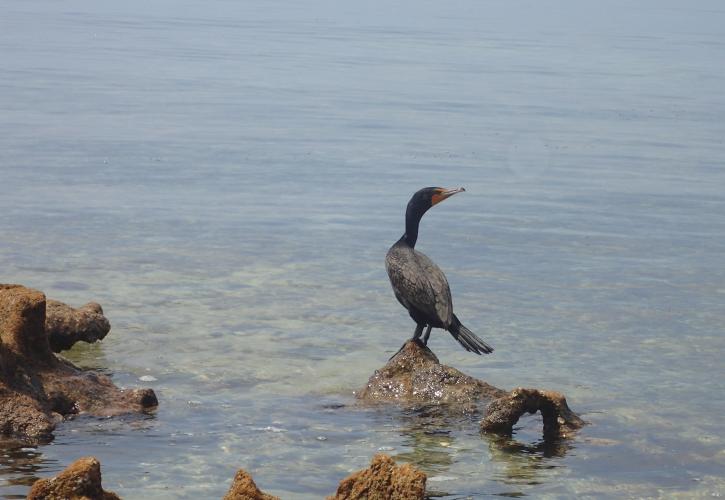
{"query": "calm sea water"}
(226, 177)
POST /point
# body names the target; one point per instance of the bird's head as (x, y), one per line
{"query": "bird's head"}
(425, 198)
(419, 205)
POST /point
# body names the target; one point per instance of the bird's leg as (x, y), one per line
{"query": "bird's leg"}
(416, 335)
(427, 334)
(418, 331)
(416, 338)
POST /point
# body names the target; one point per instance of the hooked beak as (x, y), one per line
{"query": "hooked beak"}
(442, 194)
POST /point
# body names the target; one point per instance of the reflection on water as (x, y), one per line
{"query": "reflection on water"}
(431, 434)
(525, 462)
(20, 467)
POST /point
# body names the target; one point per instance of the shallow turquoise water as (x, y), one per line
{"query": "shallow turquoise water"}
(225, 179)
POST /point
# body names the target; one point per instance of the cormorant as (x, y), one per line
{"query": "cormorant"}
(419, 284)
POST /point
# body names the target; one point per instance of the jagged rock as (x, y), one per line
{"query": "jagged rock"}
(243, 488)
(21, 416)
(383, 479)
(38, 388)
(414, 375)
(81, 480)
(503, 413)
(65, 325)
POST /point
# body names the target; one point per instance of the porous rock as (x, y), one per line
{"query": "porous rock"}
(415, 376)
(383, 480)
(38, 388)
(65, 325)
(503, 413)
(81, 480)
(244, 488)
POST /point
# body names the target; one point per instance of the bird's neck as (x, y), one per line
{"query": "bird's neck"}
(412, 222)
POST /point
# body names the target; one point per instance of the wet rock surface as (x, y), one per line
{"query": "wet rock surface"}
(80, 481)
(383, 479)
(244, 488)
(414, 375)
(65, 325)
(37, 388)
(559, 421)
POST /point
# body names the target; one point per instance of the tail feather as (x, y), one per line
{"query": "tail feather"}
(468, 339)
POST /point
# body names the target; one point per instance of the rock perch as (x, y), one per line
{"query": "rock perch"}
(414, 376)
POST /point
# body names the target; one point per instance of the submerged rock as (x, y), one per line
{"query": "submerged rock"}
(80, 481)
(559, 421)
(243, 488)
(414, 375)
(65, 325)
(383, 479)
(37, 388)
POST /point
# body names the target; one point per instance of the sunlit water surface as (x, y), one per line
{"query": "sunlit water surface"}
(225, 179)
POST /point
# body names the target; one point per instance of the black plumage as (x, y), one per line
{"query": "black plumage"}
(419, 284)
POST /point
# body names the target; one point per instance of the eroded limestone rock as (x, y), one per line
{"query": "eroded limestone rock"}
(503, 413)
(65, 325)
(37, 388)
(244, 488)
(80, 481)
(383, 479)
(414, 375)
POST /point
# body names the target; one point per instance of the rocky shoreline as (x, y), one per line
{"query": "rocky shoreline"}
(81, 480)
(39, 389)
